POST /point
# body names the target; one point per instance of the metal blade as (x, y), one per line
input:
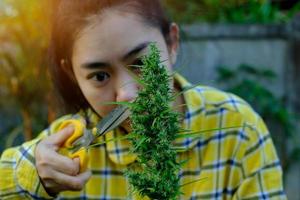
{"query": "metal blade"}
(109, 122)
(112, 120)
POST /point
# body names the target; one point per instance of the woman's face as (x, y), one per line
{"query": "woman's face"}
(104, 51)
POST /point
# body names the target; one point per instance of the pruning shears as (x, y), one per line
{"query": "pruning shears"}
(76, 145)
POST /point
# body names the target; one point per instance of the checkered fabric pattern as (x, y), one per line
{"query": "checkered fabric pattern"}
(235, 163)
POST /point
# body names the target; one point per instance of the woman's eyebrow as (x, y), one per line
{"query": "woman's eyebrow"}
(136, 50)
(95, 65)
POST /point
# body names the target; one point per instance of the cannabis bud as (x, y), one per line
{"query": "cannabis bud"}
(154, 127)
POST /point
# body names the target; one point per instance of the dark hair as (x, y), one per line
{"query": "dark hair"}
(69, 17)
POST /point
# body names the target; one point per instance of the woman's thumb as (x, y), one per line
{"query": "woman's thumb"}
(61, 136)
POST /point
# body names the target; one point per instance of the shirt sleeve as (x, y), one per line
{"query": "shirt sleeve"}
(19, 178)
(261, 169)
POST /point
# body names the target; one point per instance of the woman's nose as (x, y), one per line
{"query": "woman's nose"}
(127, 90)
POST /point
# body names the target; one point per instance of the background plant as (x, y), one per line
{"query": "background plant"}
(25, 99)
(228, 11)
(249, 83)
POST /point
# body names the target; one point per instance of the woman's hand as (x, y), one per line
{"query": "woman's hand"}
(57, 172)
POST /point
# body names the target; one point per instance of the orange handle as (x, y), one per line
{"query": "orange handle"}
(78, 132)
(83, 158)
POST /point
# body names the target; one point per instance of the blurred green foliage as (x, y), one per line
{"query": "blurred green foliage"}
(24, 82)
(250, 82)
(228, 11)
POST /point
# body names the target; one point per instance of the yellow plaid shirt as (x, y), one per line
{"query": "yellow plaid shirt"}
(239, 163)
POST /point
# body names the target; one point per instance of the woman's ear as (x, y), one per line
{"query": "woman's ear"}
(67, 69)
(174, 42)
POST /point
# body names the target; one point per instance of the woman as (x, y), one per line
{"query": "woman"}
(93, 43)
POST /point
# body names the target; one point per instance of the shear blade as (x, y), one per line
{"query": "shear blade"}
(112, 120)
(109, 122)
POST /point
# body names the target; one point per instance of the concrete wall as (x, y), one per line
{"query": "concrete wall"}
(206, 47)
(200, 59)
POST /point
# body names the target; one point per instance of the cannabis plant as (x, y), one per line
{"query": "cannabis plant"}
(154, 128)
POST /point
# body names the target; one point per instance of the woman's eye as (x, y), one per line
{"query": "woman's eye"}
(100, 76)
(138, 62)
(136, 65)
